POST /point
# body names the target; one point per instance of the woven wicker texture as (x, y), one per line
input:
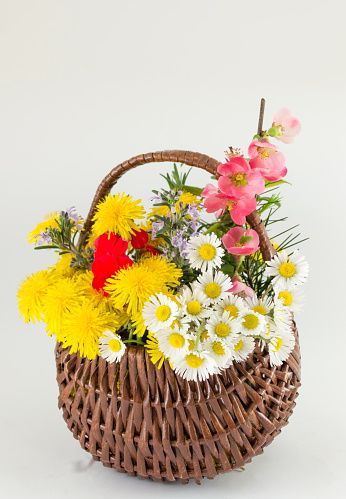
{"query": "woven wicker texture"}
(150, 422)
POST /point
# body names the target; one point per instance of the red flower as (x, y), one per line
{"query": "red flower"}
(110, 244)
(140, 239)
(151, 250)
(108, 259)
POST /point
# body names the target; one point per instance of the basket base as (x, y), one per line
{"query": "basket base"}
(150, 423)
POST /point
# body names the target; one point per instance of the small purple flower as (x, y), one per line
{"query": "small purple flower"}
(183, 248)
(177, 239)
(156, 226)
(157, 199)
(193, 225)
(192, 211)
(73, 215)
(44, 239)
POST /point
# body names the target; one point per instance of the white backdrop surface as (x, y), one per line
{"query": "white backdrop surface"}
(86, 85)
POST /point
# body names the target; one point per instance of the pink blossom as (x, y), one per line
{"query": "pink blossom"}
(217, 202)
(266, 159)
(238, 180)
(241, 289)
(239, 241)
(289, 125)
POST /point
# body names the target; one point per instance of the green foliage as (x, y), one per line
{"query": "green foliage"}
(64, 240)
(176, 180)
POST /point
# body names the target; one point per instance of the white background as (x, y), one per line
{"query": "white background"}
(87, 84)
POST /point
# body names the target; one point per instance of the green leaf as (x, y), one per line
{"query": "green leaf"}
(278, 182)
(245, 239)
(46, 247)
(228, 269)
(197, 191)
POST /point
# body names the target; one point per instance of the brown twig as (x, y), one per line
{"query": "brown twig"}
(261, 116)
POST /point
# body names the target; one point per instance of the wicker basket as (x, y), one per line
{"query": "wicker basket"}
(151, 423)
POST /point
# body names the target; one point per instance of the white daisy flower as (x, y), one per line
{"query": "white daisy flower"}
(251, 323)
(262, 306)
(173, 342)
(111, 346)
(270, 329)
(159, 312)
(179, 323)
(282, 317)
(219, 351)
(243, 346)
(280, 347)
(194, 305)
(223, 327)
(204, 252)
(214, 287)
(195, 366)
(288, 271)
(232, 304)
(292, 300)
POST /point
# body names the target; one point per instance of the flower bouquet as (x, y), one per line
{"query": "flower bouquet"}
(177, 354)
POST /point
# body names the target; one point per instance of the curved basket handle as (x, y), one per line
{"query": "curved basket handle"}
(188, 158)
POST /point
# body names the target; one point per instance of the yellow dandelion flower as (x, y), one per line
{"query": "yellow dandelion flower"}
(185, 198)
(131, 287)
(63, 268)
(166, 271)
(60, 297)
(154, 352)
(162, 211)
(48, 223)
(84, 286)
(116, 214)
(83, 326)
(188, 198)
(138, 323)
(31, 296)
(90, 240)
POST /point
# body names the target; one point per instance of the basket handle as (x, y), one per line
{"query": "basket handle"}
(188, 158)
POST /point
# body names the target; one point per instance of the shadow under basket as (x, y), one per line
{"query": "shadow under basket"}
(151, 423)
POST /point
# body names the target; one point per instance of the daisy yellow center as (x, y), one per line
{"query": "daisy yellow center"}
(287, 298)
(212, 290)
(204, 336)
(287, 269)
(162, 313)
(260, 310)
(194, 307)
(218, 348)
(250, 321)
(114, 345)
(194, 361)
(222, 329)
(207, 252)
(232, 310)
(176, 340)
(278, 344)
(238, 346)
